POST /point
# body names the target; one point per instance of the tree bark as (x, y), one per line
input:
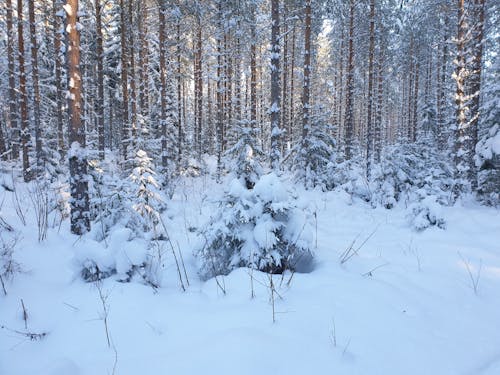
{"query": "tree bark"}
(100, 80)
(369, 122)
(80, 222)
(124, 80)
(13, 118)
(163, 86)
(36, 87)
(349, 117)
(307, 77)
(275, 86)
(58, 77)
(25, 134)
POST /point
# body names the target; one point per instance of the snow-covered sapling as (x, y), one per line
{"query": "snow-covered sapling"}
(259, 227)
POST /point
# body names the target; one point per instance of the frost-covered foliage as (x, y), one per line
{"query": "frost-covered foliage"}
(146, 202)
(244, 157)
(426, 213)
(261, 228)
(125, 213)
(316, 155)
(126, 257)
(410, 172)
(417, 174)
(133, 202)
(350, 176)
(109, 198)
(488, 161)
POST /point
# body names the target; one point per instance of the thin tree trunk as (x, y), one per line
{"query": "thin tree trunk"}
(179, 93)
(441, 101)
(36, 88)
(219, 93)
(291, 116)
(163, 87)
(380, 101)
(477, 49)
(58, 77)
(369, 123)
(415, 104)
(100, 80)
(198, 87)
(13, 118)
(253, 73)
(307, 77)
(349, 118)
(275, 86)
(25, 134)
(284, 102)
(77, 159)
(132, 89)
(143, 63)
(124, 80)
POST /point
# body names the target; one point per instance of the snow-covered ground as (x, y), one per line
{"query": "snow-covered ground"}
(404, 304)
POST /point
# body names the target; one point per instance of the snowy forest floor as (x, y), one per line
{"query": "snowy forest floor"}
(404, 304)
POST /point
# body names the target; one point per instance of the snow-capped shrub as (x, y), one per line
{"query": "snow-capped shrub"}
(243, 159)
(109, 198)
(350, 176)
(315, 155)
(426, 213)
(410, 172)
(488, 162)
(125, 215)
(261, 228)
(146, 201)
(126, 257)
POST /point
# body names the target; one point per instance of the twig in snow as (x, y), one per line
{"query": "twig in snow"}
(350, 251)
(25, 315)
(31, 335)
(370, 273)
(474, 280)
(105, 310)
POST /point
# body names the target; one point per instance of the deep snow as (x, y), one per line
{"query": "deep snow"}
(414, 313)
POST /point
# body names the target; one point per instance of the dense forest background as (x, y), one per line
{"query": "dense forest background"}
(334, 91)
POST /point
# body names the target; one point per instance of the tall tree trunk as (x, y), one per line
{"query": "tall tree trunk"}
(307, 78)
(25, 133)
(369, 122)
(100, 79)
(124, 80)
(409, 96)
(477, 56)
(58, 76)
(132, 89)
(219, 93)
(143, 64)
(179, 93)
(441, 89)
(13, 118)
(415, 104)
(349, 116)
(284, 91)
(275, 86)
(291, 116)
(462, 137)
(36, 87)
(80, 222)
(380, 103)
(198, 77)
(163, 86)
(253, 73)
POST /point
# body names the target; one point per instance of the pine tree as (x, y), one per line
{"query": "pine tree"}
(80, 222)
